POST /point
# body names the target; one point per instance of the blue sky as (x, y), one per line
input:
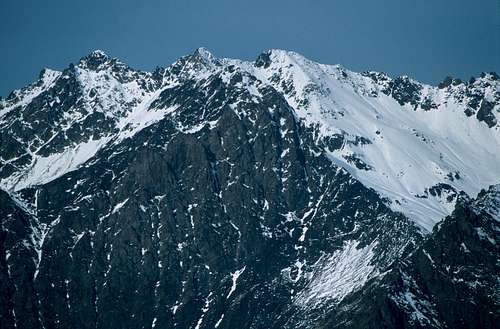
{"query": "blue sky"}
(424, 39)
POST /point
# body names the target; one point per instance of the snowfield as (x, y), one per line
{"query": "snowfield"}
(408, 151)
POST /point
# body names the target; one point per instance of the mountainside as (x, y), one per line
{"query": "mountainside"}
(218, 193)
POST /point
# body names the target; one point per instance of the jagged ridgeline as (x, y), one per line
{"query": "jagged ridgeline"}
(219, 193)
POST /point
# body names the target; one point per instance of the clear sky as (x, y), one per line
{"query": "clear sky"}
(426, 39)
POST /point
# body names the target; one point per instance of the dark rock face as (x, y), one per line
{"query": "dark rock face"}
(227, 213)
(485, 113)
(457, 267)
(448, 81)
(18, 261)
(263, 60)
(196, 208)
(405, 91)
(449, 281)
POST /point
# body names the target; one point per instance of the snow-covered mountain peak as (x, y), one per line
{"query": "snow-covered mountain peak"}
(98, 53)
(283, 56)
(415, 144)
(94, 60)
(202, 54)
(22, 97)
(198, 65)
(98, 61)
(63, 119)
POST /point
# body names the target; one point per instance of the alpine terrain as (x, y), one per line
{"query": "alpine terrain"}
(220, 193)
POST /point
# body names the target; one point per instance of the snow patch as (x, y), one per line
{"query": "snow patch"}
(338, 275)
(234, 277)
(119, 206)
(45, 169)
(26, 95)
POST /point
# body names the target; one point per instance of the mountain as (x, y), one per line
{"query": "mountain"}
(219, 193)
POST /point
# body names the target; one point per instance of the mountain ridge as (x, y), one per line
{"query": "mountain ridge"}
(267, 194)
(323, 93)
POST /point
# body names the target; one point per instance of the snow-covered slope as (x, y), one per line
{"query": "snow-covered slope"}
(415, 144)
(416, 155)
(62, 120)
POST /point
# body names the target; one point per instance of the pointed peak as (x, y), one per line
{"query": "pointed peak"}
(203, 56)
(203, 52)
(201, 59)
(94, 59)
(97, 54)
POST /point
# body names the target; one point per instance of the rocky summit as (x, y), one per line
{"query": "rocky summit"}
(220, 193)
